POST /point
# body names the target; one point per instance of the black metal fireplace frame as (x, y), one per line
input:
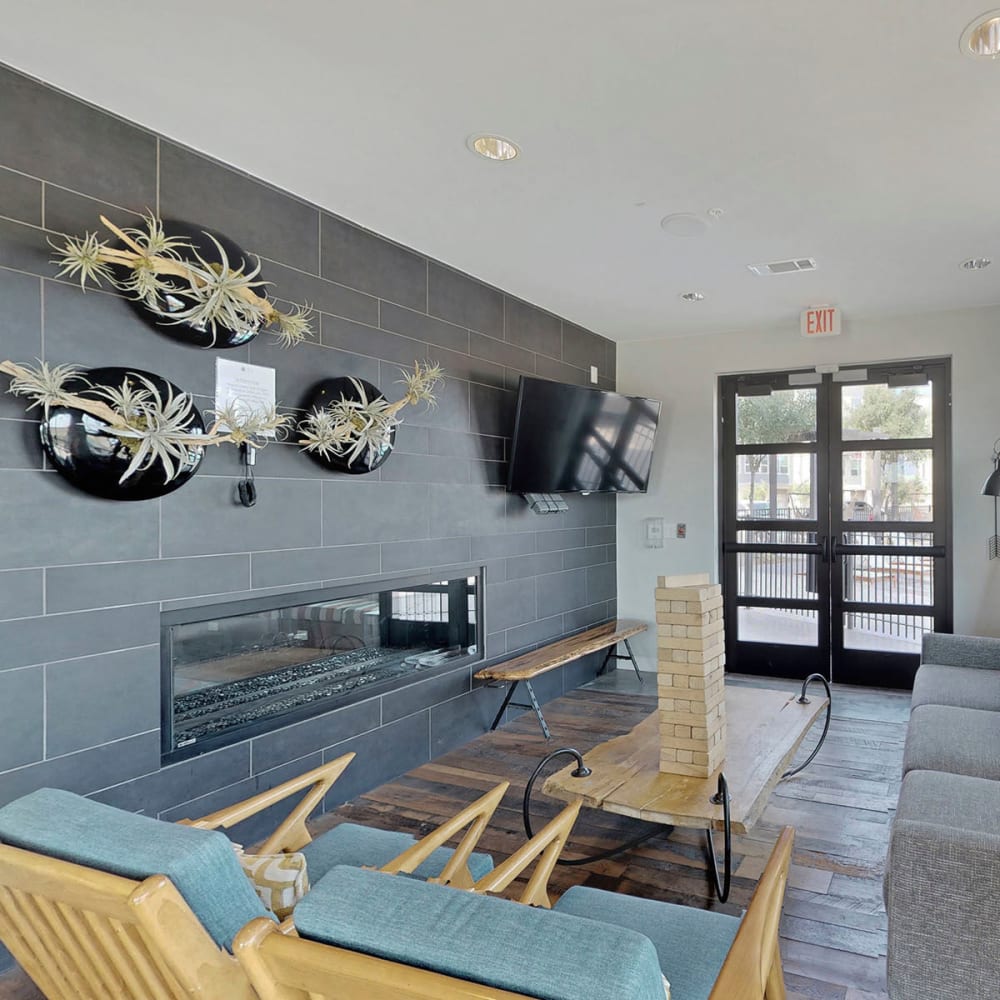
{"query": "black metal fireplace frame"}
(291, 599)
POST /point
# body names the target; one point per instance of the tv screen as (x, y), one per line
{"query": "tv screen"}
(572, 439)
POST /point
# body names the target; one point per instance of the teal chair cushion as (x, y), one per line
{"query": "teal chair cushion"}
(360, 846)
(488, 941)
(201, 863)
(691, 943)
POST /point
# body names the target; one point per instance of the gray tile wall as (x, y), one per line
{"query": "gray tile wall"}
(83, 581)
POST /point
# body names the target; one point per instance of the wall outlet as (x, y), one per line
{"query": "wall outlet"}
(593, 374)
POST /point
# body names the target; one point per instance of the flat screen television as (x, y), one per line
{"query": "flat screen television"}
(573, 439)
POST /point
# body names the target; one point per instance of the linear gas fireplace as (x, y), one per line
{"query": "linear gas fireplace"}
(235, 670)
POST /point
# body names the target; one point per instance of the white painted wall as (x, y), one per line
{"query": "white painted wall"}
(684, 484)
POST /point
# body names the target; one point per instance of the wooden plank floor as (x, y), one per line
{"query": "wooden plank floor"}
(834, 926)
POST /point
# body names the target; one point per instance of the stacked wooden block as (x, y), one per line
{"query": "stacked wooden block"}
(690, 675)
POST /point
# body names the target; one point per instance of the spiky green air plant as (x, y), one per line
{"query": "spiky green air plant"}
(253, 425)
(83, 256)
(157, 428)
(347, 428)
(217, 289)
(156, 242)
(421, 382)
(294, 326)
(46, 384)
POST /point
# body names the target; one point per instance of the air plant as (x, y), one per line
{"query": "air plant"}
(244, 424)
(349, 428)
(151, 264)
(45, 385)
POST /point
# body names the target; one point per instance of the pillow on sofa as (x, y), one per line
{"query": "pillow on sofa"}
(280, 880)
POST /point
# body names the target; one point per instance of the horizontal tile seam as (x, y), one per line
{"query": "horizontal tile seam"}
(73, 753)
(82, 656)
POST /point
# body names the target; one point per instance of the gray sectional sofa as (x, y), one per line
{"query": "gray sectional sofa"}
(942, 881)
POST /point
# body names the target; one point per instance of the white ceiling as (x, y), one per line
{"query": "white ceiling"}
(846, 130)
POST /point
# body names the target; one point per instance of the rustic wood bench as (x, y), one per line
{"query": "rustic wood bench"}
(540, 661)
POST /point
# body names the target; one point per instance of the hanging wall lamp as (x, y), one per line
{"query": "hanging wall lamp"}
(991, 488)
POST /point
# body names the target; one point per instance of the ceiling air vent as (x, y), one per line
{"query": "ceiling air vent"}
(784, 266)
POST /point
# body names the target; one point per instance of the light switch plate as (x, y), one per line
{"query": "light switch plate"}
(593, 374)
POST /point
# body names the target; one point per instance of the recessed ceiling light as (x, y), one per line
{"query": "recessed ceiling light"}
(493, 147)
(982, 37)
(693, 296)
(976, 263)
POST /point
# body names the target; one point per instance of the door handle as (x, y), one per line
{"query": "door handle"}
(834, 548)
(824, 548)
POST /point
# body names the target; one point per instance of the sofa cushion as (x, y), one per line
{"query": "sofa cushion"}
(980, 652)
(956, 740)
(691, 944)
(201, 863)
(961, 687)
(942, 887)
(490, 941)
(360, 846)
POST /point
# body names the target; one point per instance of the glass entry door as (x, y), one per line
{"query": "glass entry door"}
(835, 520)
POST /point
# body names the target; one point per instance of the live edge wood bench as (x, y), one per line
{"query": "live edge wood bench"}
(555, 654)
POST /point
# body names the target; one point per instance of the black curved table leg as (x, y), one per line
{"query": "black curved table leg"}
(721, 884)
(803, 700)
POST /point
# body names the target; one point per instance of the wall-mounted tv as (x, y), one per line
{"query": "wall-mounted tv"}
(572, 439)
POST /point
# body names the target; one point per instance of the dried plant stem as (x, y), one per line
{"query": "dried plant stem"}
(167, 265)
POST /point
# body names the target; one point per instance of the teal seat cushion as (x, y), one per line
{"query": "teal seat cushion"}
(363, 846)
(201, 863)
(477, 938)
(691, 943)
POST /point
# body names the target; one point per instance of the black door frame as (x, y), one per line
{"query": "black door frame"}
(828, 527)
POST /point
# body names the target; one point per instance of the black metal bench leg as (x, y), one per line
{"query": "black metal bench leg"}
(607, 656)
(506, 702)
(631, 656)
(538, 711)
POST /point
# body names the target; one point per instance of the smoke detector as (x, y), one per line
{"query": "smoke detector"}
(784, 266)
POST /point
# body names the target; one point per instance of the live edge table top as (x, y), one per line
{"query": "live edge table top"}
(764, 730)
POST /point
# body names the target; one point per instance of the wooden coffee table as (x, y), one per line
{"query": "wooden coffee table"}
(764, 730)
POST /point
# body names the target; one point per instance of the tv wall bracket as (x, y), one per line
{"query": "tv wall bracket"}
(545, 503)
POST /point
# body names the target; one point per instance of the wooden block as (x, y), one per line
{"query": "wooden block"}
(694, 745)
(715, 614)
(683, 718)
(699, 733)
(704, 631)
(671, 618)
(683, 731)
(676, 642)
(691, 580)
(706, 592)
(667, 753)
(685, 757)
(705, 655)
(689, 770)
(679, 607)
(679, 655)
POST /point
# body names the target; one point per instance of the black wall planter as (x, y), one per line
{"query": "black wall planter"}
(89, 454)
(331, 390)
(157, 314)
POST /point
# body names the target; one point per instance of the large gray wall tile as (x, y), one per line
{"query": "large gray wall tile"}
(460, 299)
(21, 593)
(433, 552)
(97, 699)
(20, 197)
(371, 511)
(60, 637)
(22, 700)
(48, 522)
(75, 588)
(24, 248)
(560, 592)
(275, 569)
(86, 771)
(581, 348)
(197, 190)
(58, 138)
(425, 693)
(204, 516)
(20, 333)
(20, 447)
(75, 214)
(355, 257)
(530, 327)
(420, 326)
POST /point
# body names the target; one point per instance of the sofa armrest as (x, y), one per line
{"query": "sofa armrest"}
(943, 901)
(961, 650)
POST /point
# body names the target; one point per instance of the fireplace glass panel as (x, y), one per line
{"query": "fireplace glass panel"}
(236, 673)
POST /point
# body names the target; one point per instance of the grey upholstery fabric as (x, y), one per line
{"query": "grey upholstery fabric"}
(961, 650)
(943, 889)
(956, 740)
(963, 687)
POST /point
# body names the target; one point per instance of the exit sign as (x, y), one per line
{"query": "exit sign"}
(820, 321)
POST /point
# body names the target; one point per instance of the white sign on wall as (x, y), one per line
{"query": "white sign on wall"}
(820, 321)
(250, 388)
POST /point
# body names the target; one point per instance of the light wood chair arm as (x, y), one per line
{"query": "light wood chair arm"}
(291, 834)
(546, 846)
(456, 871)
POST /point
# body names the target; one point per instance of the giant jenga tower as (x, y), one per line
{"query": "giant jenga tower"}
(690, 675)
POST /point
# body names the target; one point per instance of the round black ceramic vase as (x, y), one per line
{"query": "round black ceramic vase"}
(157, 313)
(87, 452)
(331, 390)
